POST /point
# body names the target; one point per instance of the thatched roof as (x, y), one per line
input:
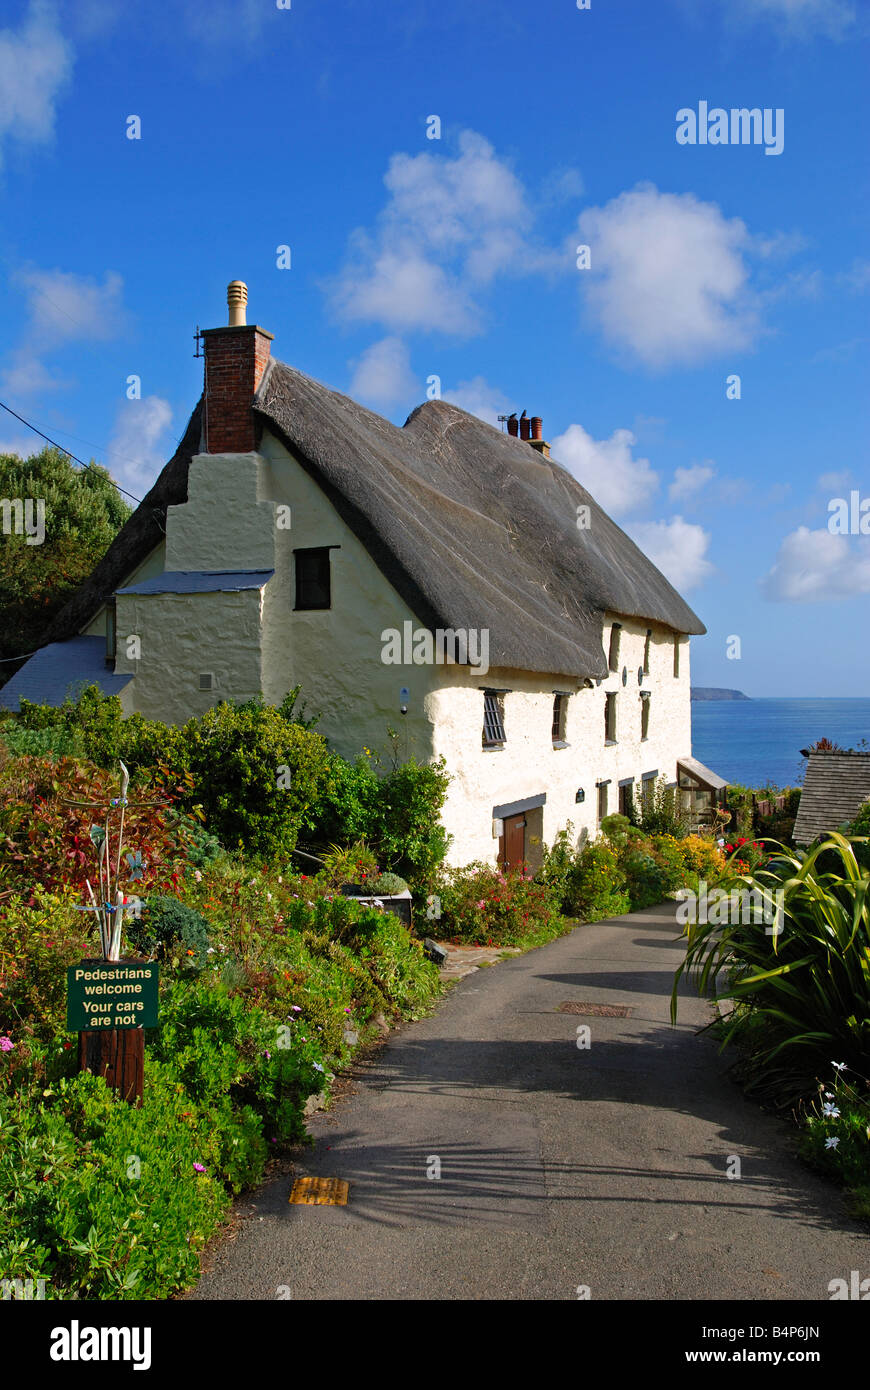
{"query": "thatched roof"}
(473, 527)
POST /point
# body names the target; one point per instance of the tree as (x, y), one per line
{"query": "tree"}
(82, 512)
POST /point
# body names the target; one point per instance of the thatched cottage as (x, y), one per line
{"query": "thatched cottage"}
(445, 578)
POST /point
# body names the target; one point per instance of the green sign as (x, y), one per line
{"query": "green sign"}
(111, 994)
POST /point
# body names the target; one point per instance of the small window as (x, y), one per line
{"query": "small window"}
(645, 703)
(493, 720)
(625, 798)
(206, 680)
(602, 801)
(613, 659)
(560, 712)
(313, 588)
(111, 632)
(676, 653)
(610, 718)
(646, 647)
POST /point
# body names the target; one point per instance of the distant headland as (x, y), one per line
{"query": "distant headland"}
(712, 692)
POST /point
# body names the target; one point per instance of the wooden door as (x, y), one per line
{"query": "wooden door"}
(512, 842)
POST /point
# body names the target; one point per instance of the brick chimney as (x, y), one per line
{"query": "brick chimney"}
(235, 360)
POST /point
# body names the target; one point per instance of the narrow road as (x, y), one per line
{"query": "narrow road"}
(560, 1167)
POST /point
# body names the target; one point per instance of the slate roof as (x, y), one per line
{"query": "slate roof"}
(835, 786)
(201, 582)
(473, 527)
(54, 671)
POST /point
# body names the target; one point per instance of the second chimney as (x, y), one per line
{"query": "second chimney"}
(537, 440)
(235, 359)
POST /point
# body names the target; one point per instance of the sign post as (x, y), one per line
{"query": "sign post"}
(110, 1001)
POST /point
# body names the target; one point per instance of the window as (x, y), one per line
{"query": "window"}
(493, 719)
(610, 718)
(676, 653)
(646, 647)
(313, 588)
(644, 715)
(613, 659)
(560, 712)
(111, 630)
(625, 797)
(602, 801)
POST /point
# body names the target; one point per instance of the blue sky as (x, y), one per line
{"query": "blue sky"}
(413, 257)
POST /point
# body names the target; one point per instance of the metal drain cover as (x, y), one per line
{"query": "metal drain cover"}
(319, 1192)
(572, 1006)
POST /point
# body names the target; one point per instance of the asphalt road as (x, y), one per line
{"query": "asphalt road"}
(604, 1167)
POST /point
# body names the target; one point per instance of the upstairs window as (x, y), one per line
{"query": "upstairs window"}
(313, 581)
(610, 718)
(613, 659)
(644, 716)
(676, 653)
(646, 647)
(602, 801)
(560, 713)
(493, 719)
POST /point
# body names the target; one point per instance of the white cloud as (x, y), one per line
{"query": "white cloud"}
(61, 308)
(450, 226)
(35, 66)
(480, 399)
(814, 566)
(834, 482)
(802, 18)
(605, 467)
(668, 279)
(140, 444)
(679, 549)
(65, 306)
(24, 445)
(382, 375)
(689, 481)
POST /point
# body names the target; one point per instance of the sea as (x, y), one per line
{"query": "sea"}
(757, 742)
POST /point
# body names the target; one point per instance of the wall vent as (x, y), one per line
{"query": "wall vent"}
(206, 680)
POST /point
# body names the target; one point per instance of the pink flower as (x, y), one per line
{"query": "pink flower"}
(198, 1168)
(481, 903)
(296, 1008)
(6, 1044)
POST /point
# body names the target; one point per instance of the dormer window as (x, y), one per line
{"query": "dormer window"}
(613, 659)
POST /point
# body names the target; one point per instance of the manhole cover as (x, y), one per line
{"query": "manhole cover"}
(572, 1006)
(319, 1192)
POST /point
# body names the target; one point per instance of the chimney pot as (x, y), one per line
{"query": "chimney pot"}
(537, 427)
(237, 299)
(525, 426)
(513, 425)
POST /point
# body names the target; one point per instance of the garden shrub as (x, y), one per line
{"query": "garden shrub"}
(658, 810)
(589, 881)
(486, 906)
(170, 929)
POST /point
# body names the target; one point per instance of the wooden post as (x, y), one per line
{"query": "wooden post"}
(118, 1054)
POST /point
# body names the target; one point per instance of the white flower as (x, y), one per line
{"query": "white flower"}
(839, 1066)
(831, 1112)
(317, 1066)
(831, 1143)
